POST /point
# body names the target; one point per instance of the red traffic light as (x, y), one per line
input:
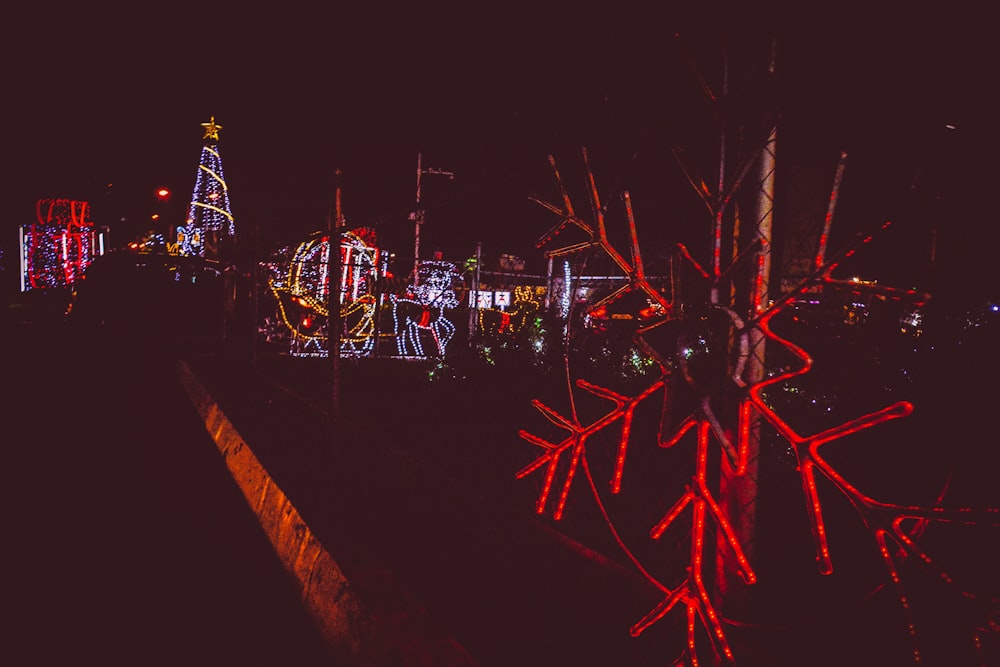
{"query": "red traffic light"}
(163, 194)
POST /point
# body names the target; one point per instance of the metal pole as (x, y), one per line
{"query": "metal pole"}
(474, 302)
(738, 493)
(377, 329)
(334, 222)
(418, 215)
(828, 220)
(418, 219)
(719, 209)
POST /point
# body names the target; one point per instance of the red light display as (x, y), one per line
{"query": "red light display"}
(564, 459)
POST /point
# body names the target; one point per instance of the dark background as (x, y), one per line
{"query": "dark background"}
(106, 105)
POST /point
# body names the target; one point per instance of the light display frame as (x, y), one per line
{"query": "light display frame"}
(419, 312)
(508, 321)
(301, 294)
(563, 462)
(58, 247)
(209, 212)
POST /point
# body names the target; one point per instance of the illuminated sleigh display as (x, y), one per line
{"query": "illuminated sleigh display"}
(420, 326)
(302, 295)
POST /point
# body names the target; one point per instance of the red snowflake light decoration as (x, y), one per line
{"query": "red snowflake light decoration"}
(889, 524)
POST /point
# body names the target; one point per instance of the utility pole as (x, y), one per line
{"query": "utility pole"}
(417, 216)
(377, 330)
(474, 302)
(334, 223)
(738, 492)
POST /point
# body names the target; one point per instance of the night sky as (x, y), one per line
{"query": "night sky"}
(488, 92)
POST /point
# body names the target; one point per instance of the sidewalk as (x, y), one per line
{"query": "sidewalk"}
(432, 560)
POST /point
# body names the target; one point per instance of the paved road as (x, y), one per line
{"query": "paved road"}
(125, 540)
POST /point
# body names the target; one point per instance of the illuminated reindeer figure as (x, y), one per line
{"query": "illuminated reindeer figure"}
(419, 312)
(496, 322)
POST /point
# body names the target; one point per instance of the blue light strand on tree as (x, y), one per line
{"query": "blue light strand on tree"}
(209, 213)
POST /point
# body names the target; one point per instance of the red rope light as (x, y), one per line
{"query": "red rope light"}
(885, 521)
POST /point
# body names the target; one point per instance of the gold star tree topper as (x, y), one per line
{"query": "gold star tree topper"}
(211, 129)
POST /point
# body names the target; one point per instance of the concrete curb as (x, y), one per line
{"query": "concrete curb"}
(352, 633)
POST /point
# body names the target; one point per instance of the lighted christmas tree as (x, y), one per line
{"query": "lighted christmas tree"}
(209, 225)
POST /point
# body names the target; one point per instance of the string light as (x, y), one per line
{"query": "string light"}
(301, 291)
(58, 247)
(885, 520)
(209, 212)
(500, 322)
(421, 310)
(418, 314)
